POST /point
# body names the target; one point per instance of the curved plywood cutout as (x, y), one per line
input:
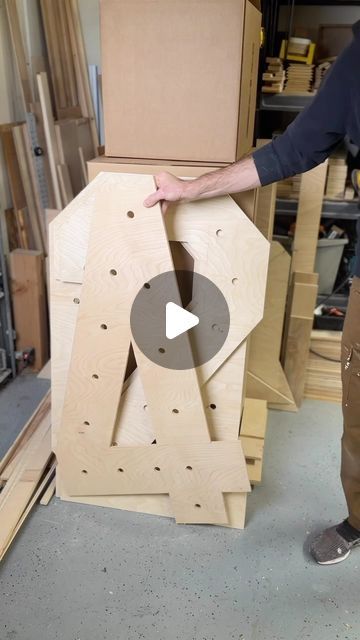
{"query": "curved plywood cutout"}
(240, 272)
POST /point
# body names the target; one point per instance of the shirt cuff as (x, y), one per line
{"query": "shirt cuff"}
(267, 164)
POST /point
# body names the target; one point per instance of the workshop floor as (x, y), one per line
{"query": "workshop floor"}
(84, 573)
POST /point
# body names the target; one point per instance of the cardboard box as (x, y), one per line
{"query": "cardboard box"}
(245, 199)
(179, 78)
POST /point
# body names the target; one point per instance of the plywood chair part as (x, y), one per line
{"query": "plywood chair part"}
(192, 461)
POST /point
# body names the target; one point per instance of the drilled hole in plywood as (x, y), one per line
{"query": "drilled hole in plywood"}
(76, 300)
(83, 471)
(175, 410)
(235, 280)
(189, 468)
(145, 407)
(103, 326)
(120, 470)
(95, 376)
(198, 506)
(86, 423)
(156, 468)
(130, 214)
(113, 272)
(147, 285)
(212, 406)
(219, 233)
(161, 350)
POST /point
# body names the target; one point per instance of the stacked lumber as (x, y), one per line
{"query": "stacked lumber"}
(25, 473)
(274, 76)
(68, 65)
(336, 178)
(299, 78)
(320, 73)
(289, 188)
(323, 371)
(25, 220)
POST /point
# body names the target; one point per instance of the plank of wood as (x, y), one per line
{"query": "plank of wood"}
(16, 505)
(66, 189)
(49, 491)
(21, 145)
(50, 135)
(297, 334)
(254, 418)
(81, 68)
(29, 303)
(13, 169)
(265, 203)
(266, 379)
(24, 229)
(14, 237)
(20, 57)
(308, 217)
(45, 372)
(26, 432)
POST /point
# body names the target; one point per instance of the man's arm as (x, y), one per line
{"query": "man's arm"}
(307, 142)
(240, 176)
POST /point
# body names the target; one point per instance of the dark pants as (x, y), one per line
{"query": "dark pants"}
(350, 371)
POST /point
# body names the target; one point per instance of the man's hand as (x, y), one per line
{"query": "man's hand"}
(169, 189)
(240, 176)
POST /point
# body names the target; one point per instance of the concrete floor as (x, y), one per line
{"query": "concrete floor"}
(84, 573)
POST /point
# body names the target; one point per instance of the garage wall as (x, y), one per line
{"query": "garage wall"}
(90, 21)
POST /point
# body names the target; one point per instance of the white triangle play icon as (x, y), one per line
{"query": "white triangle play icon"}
(178, 320)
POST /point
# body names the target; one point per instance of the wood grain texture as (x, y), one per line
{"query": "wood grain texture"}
(308, 217)
(266, 379)
(217, 381)
(297, 335)
(29, 303)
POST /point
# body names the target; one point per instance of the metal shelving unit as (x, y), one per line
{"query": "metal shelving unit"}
(345, 210)
(284, 102)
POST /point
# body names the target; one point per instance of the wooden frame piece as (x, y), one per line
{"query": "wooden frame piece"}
(196, 225)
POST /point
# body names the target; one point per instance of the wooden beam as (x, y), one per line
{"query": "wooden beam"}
(312, 188)
(29, 303)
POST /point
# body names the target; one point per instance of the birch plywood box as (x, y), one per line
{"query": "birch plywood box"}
(118, 439)
(179, 78)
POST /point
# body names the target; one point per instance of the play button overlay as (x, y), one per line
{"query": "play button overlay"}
(179, 331)
(178, 320)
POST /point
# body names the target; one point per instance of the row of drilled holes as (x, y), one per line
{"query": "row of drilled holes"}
(176, 411)
(120, 470)
(210, 406)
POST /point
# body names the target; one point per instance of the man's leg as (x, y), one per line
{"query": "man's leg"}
(335, 544)
(350, 371)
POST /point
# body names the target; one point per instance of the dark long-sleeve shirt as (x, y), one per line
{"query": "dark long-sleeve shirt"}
(333, 114)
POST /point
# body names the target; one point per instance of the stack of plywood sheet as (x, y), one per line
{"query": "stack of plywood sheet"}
(323, 371)
(320, 73)
(336, 179)
(274, 76)
(203, 432)
(25, 473)
(299, 78)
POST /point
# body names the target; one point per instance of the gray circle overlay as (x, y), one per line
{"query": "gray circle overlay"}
(201, 297)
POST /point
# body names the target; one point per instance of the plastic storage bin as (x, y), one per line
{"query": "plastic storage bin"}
(328, 258)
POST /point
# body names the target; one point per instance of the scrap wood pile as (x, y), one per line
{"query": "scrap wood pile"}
(27, 473)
